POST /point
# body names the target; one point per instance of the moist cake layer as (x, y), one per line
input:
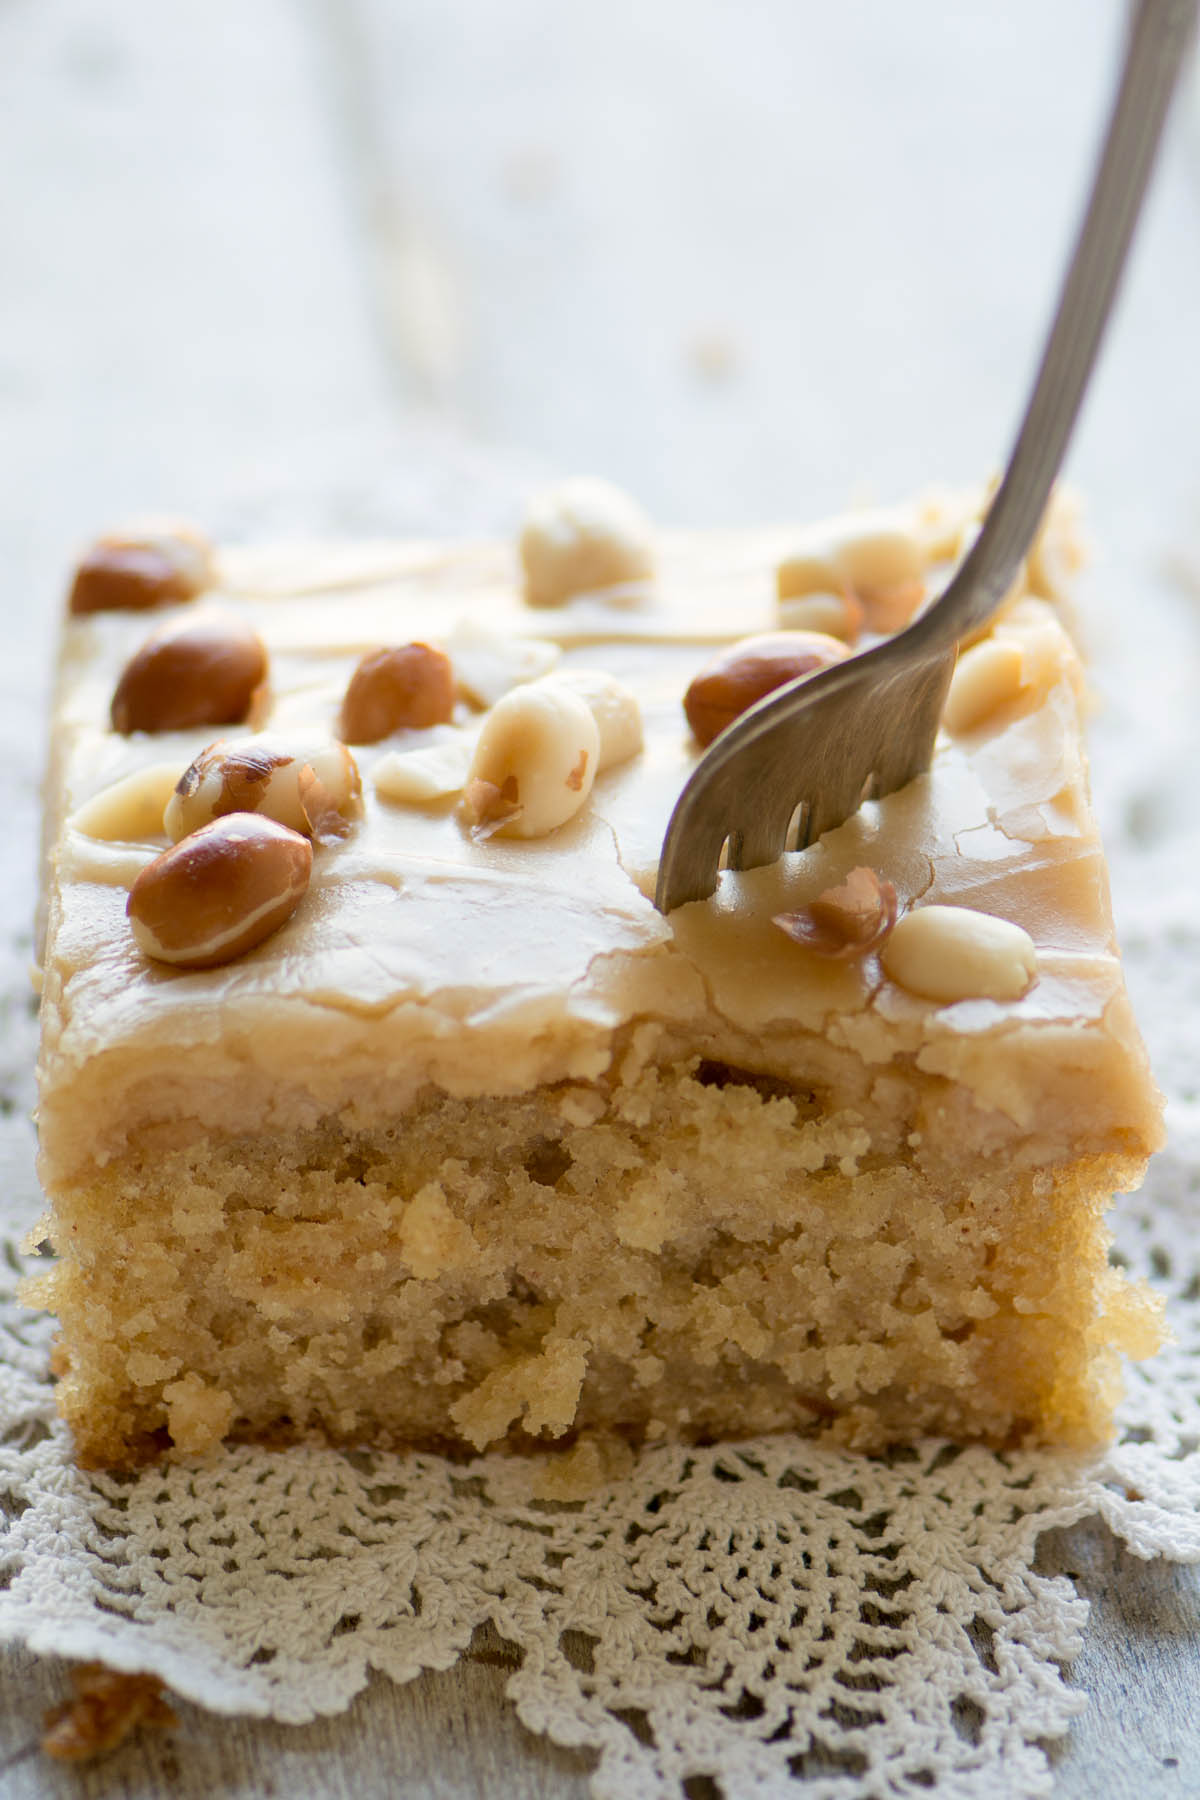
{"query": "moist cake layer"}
(479, 1146)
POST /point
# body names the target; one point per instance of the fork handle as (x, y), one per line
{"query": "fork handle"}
(1154, 55)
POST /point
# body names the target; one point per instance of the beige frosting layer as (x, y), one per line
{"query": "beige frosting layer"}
(422, 954)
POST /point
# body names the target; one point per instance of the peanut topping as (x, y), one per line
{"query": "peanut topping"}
(130, 809)
(879, 561)
(845, 921)
(534, 763)
(951, 953)
(430, 772)
(129, 571)
(314, 788)
(220, 891)
(202, 670)
(614, 706)
(492, 807)
(406, 687)
(833, 615)
(328, 810)
(890, 609)
(986, 677)
(746, 671)
(1058, 551)
(882, 566)
(581, 536)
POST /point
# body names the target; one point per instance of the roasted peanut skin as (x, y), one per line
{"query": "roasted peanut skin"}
(747, 671)
(132, 573)
(220, 891)
(203, 671)
(402, 687)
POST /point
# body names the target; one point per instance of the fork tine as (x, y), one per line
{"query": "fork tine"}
(692, 850)
(827, 811)
(839, 794)
(763, 834)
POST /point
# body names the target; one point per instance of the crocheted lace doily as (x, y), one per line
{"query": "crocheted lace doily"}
(751, 1612)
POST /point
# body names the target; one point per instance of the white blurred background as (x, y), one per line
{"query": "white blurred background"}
(750, 259)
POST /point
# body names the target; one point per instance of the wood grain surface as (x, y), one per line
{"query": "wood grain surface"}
(751, 261)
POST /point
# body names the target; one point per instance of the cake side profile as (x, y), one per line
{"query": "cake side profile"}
(402, 1117)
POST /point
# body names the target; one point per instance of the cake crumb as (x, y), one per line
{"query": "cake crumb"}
(107, 1706)
(145, 1369)
(432, 1240)
(580, 1106)
(580, 1472)
(648, 1369)
(198, 1416)
(545, 1388)
(643, 1042)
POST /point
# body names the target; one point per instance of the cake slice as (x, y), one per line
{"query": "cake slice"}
(384, 1106)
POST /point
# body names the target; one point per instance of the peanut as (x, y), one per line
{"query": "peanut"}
(535, 761)
(201, 670)
(219, 892)
(986, 677)
(614, 706)
(747, 671)
(402, 687)
(880, 562)
(581, 536)
(130, 809)
(950, 953)
(845, 921)
(130, 571)
(428, 773)
(267, 775)
(833, 615)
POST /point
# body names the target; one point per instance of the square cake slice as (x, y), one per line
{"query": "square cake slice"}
(382, 1105)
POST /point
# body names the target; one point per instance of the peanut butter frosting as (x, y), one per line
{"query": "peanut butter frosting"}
(425, 952)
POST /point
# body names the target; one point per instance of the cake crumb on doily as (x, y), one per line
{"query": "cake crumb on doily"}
(107, 1707)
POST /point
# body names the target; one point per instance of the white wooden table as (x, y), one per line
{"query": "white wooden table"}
(749, 260)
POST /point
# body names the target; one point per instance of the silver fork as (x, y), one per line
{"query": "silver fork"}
(828, 742)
